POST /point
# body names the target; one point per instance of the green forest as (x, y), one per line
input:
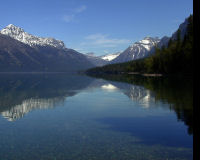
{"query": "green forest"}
(176, 58)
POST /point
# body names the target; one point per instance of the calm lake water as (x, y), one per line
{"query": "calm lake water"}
(74, 117)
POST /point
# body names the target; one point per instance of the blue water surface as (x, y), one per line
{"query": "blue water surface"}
(75, 117)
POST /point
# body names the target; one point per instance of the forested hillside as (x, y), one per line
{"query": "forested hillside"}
(176, 58)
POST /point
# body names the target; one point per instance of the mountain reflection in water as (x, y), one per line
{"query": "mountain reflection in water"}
(175, 91)
(22, 93)
(60, 116)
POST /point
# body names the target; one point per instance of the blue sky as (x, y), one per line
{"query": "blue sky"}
(100, 26)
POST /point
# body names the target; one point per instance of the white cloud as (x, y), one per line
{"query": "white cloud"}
(80, 9)
(71, 17)
(95, 36)
(101, 40)
(68, 18)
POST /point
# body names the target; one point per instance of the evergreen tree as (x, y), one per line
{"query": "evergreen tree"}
(176, 58)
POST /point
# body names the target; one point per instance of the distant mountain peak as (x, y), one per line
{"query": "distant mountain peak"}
(11, 26)
(24, 37)
(147, 43)
(110, 57)
(137, 50)
(12, 29)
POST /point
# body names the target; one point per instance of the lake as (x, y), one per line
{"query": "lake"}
(76, 117)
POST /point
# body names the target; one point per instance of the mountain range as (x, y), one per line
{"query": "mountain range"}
(24, 93)
(169, 56)
(144, 47)
(138, 50)
(23, 52)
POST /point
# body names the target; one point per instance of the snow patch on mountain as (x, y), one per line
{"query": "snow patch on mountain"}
(110, 57)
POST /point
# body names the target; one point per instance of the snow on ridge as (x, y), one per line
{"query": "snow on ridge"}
(137, 50)
(147, 47)
(146, 43)
(110, 57)
(24, 37)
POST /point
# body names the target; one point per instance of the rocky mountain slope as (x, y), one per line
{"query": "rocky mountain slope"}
(24, 37)
(21, 51)
(138, 50)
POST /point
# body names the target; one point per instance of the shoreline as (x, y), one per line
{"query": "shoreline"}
(139, 74)
(145, 74)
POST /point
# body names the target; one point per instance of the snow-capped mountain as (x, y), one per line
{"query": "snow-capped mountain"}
(110, 57)
(101, 60)
(23, 52)
(138, 50)
(24, 37)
